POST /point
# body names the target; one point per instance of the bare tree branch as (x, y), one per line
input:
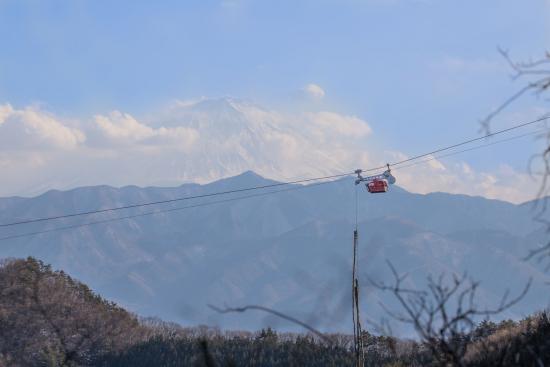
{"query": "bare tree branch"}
(444, 316)
(521, 70)
(538, 72)
(273, 312)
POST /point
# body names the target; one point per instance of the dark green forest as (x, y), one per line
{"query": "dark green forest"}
(49, 319)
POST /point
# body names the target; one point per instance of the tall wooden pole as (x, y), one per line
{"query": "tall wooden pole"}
(357, 332)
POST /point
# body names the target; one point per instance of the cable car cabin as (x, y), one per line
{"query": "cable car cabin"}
(377, 186)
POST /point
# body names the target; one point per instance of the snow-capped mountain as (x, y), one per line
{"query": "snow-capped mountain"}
(234, 136)
(209, 139)
(197, 141)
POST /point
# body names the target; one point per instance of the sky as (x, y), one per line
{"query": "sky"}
(83, 83)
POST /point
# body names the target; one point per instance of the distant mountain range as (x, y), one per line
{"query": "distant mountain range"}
(290, 251)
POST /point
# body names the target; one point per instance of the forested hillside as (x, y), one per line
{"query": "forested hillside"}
(49, 319)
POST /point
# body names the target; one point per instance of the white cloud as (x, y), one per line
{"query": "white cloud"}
(503, 183)
(125, 129)
(5, 111)
(314, 91)
(466, 169)
(122, 126)
(32, 129)
(195, 141)
(333, 123)
(435, 163)
(204, 140)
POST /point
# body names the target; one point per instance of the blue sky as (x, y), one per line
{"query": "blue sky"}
(421, 73)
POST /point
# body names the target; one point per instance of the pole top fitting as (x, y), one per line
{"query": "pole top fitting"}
(359, 177)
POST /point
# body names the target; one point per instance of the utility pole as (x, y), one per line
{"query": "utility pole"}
(357, 330)
(375, 184)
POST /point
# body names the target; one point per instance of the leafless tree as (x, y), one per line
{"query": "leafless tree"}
(444, 315)
(535, 74)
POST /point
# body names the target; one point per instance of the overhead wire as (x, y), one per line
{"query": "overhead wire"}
(79, 225)
(469, 141)
(432, 158)
(276, 184)
(89, 212)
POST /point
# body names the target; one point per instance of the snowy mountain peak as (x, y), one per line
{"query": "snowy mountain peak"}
(198, 141)
(236, 136)
(222, 117)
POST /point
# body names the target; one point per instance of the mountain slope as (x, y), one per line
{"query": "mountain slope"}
(48, 318)
(289, 250)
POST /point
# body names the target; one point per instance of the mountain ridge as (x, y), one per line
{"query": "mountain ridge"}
(284, 250)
